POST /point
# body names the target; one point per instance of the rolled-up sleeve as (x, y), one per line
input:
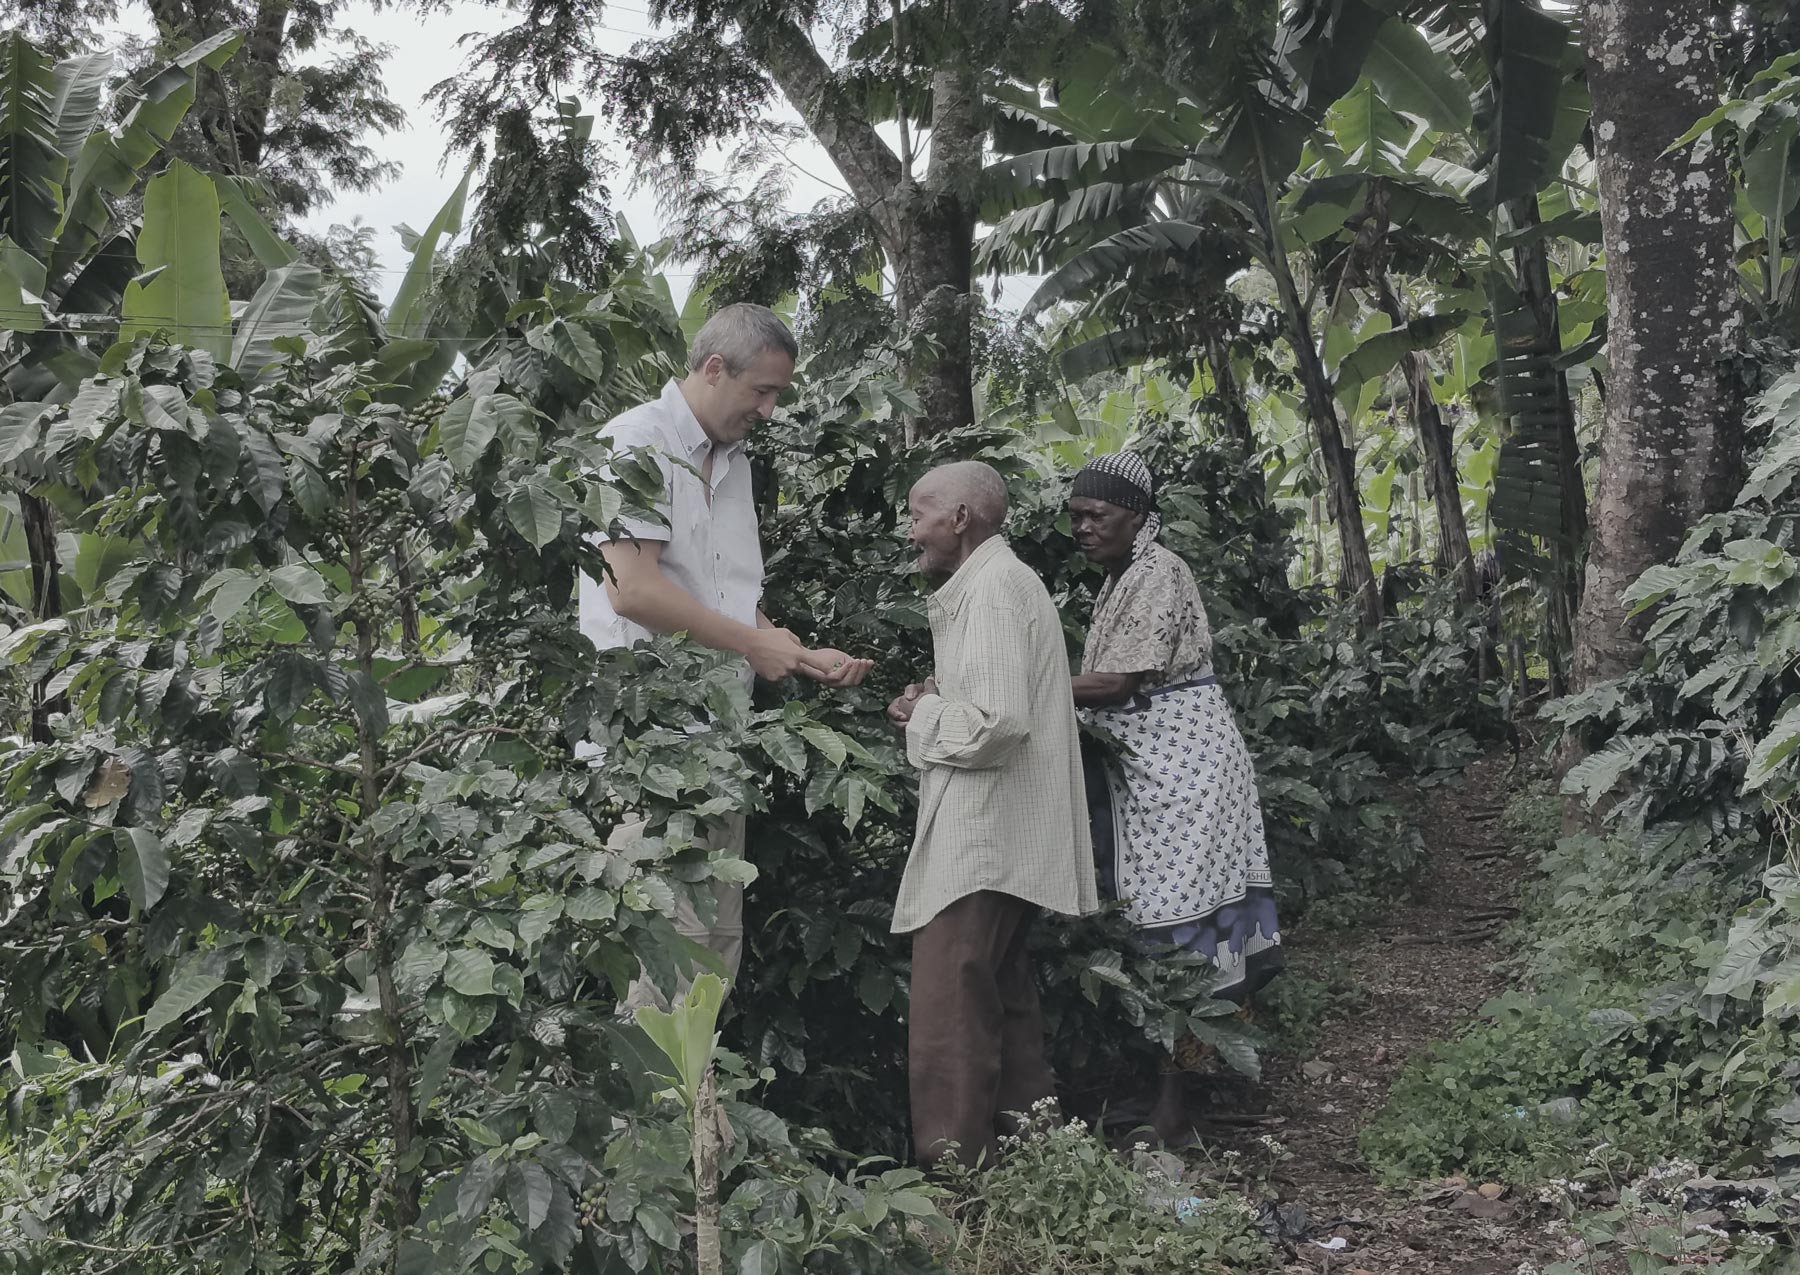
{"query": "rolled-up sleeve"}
(639, 441)
(991, 714)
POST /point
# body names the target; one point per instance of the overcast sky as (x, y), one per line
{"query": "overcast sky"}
(423, 52)
(426, 52)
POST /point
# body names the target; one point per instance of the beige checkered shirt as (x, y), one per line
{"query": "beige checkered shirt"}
(1001, 801)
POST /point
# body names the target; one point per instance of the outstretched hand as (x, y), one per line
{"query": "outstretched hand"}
(834, 668)
(777, 654)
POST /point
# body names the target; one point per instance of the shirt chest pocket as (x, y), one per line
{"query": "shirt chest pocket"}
(737, 544)
(952, 647)
(691, 514)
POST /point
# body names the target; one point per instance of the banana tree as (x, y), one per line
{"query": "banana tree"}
(1539, 108)
(1520, 68)
(1096, 195)
(1216, 204)
(1498, 88)
(1375, 141)
(64, 262)
(79, 287)
(65, 259)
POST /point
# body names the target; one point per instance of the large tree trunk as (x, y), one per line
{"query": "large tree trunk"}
(1439, 446)
(237, 130)
(933, 252)
(1673, 441)
(262, 67)
(927, 229)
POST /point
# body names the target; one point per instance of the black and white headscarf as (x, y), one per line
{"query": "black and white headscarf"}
(1123, 479)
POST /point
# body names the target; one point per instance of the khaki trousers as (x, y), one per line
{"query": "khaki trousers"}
(976, 1036)
(723, 934)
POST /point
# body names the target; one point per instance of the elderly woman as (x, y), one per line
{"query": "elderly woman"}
(1177, 829)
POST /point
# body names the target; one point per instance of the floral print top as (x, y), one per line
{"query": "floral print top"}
(1150, 620)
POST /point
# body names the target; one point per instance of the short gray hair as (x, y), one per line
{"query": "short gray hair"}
(739, 333)
(973, 483)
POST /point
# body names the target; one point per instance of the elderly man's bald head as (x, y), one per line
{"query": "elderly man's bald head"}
(971, 483)
(954, 509)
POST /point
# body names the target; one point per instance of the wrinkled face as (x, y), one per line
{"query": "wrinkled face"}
(737, 404)
(936, 531)
(1103, 530)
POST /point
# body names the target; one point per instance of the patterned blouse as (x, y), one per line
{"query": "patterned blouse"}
(1150, 620)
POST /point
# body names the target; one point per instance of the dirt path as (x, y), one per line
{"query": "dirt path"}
(1422, 967)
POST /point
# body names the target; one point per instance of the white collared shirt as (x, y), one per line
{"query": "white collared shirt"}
(710, 551)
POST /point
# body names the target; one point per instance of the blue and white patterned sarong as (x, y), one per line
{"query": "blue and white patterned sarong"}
(1178, 831)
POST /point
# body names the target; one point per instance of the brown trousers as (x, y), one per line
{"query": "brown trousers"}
(976, 1047)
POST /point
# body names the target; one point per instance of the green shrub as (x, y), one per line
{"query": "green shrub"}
(1619, 1045)
(1293, 1009)
(1060, 1200)
(1532, 821)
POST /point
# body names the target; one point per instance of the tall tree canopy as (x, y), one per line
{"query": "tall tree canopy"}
(903, 99)
(302, 126)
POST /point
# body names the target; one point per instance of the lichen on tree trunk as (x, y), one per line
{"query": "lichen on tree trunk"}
(1672, 445)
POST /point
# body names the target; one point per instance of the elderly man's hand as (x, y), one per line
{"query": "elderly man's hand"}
(900, 712)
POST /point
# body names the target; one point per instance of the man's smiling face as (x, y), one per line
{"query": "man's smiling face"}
(936, 531)
(738, 402)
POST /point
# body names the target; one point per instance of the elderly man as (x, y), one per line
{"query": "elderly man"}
(1003, 827)
(699, 570)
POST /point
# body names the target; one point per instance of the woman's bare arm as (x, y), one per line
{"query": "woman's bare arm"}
(1104, 690)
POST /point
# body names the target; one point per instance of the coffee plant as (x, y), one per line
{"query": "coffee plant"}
(312, 929)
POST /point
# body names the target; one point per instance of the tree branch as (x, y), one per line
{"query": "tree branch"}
(872, 171)
(262, 61)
